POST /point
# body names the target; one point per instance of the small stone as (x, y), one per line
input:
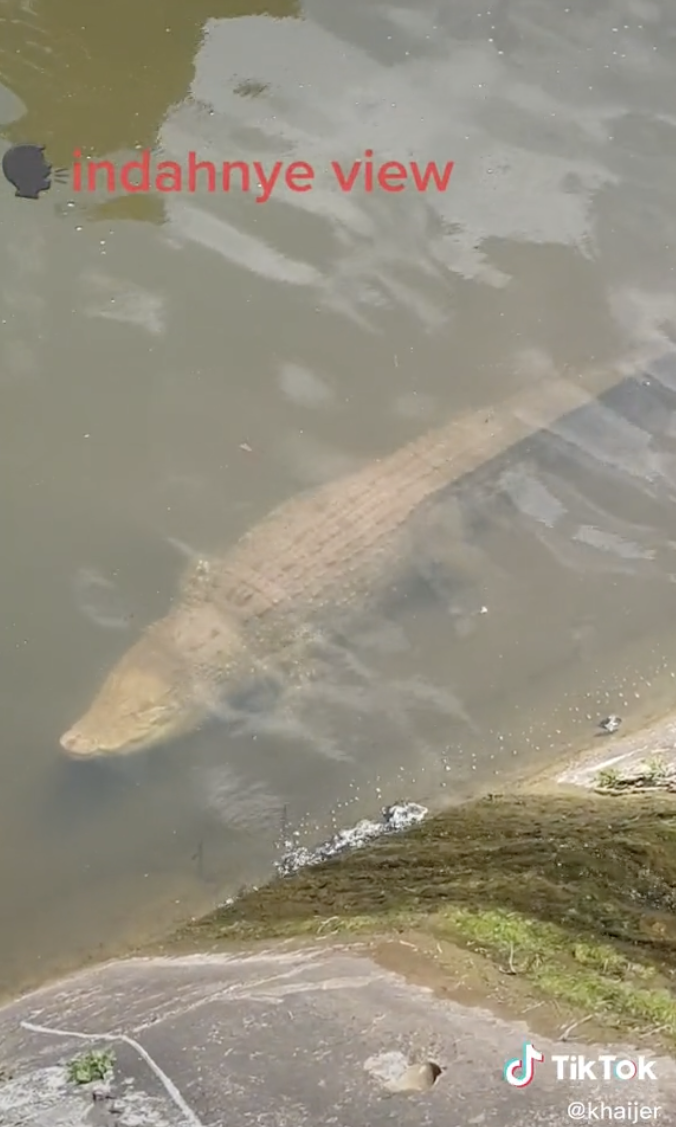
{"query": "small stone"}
(417, 1078)
(397, 1074)
(610, 724)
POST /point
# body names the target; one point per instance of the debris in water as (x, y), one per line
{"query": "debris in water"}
(198, 856)
(395, 818)
(610, 724)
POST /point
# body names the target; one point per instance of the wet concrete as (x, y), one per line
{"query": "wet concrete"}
(302, 1037)
(632, 758)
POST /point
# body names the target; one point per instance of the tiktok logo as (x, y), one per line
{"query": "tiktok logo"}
(520, 1071)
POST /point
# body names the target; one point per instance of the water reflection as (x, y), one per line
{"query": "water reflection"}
(101, 79)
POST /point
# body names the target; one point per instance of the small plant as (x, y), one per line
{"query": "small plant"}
(656, 769)
(608, 778)
(97, 1064)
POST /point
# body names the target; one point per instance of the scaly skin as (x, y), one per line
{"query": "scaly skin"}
(317, 550)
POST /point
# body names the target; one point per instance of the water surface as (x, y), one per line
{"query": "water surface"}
(173, 366)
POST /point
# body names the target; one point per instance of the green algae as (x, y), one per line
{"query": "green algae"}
(574, 894)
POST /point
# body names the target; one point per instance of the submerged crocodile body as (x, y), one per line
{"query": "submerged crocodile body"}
(316, 551)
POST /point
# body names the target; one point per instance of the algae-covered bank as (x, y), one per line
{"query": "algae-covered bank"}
(555, 913)
(557, 902)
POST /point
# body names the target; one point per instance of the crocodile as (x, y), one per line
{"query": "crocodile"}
(255, 606)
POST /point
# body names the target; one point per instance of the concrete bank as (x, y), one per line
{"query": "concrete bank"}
(280, 1037)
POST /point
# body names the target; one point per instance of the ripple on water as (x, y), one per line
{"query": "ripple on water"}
(100, 600)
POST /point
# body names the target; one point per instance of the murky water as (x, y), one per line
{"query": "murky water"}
(172, 365)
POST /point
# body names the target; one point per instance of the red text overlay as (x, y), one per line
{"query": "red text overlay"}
(194, 175)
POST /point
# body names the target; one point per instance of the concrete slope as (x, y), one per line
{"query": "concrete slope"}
(289, 1039)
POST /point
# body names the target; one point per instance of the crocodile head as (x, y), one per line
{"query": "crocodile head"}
(150, 697)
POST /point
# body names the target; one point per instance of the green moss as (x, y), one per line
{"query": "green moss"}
(593, 977)
(576, 894)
